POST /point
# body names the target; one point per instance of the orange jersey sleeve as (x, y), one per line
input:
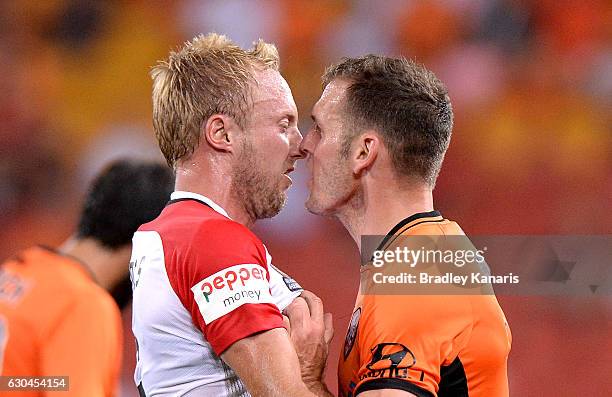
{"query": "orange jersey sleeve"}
(406, 341)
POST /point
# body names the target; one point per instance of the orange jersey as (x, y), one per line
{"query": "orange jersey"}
(56, 321)
(428, 345)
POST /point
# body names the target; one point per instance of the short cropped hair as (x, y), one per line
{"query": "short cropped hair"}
(208, 75)
(405, 103)
(122, 197)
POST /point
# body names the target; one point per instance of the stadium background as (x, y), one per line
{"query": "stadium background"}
(531, 83)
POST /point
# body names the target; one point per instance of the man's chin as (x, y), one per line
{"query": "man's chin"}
(274, 207)
(314, 207)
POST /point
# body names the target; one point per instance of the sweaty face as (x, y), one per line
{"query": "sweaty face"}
(332, 184)
(269, 149)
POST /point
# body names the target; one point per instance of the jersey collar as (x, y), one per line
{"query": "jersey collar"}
(40, 248)
(179, 194)
(407, 223)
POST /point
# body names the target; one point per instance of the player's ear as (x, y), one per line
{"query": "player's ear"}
(220, 132)
(364, 151)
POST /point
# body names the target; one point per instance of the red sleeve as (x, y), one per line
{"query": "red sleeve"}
(221, 276)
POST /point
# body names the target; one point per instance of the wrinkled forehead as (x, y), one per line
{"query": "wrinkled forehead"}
(271, 90)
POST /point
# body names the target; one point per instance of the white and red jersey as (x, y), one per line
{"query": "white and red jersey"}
(201, 282)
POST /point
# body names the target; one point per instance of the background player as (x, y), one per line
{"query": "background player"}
(381, 129)
(207, 299)
(56, 314)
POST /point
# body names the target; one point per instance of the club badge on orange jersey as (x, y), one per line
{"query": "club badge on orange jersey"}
(391, 360)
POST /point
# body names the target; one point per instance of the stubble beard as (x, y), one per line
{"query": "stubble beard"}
(335, 190)
(260, 194)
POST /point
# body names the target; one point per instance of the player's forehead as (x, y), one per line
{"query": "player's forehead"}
(331, 101)
(272, 93)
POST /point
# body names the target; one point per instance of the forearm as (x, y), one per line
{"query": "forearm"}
(269, 367)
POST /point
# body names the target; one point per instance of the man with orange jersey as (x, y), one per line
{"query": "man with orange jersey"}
(57, 317)
(381, 129)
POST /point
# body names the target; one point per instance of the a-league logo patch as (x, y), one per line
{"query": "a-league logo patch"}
(351, 334)
(291, 284)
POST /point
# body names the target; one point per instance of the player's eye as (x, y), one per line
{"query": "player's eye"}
(283, 125)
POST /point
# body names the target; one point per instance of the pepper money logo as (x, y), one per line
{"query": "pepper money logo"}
(230, 288)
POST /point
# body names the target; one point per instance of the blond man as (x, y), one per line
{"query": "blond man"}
(207, 299)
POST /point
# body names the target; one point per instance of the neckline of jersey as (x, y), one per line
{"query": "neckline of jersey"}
(79, 263)
(404, 222)
(181, 195)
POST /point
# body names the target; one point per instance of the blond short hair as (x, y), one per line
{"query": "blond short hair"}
(208, 75)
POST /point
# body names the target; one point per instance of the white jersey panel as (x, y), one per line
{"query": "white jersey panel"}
(173, 357)
(284, 289)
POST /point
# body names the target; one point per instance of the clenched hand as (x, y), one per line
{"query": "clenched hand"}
(311, 331)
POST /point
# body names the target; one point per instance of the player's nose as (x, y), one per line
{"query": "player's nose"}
(306, 146)
(296, 143)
